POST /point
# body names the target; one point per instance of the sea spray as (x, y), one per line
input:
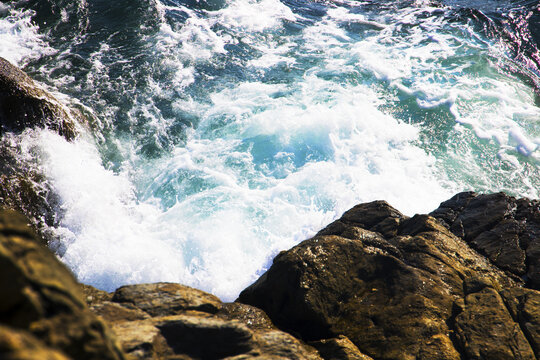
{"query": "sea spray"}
(226, 132)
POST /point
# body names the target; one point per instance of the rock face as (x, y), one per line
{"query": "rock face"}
(505, 229)
(409, 288)
(172, 321)
(25, 105)
(41, 299)
(374, 284)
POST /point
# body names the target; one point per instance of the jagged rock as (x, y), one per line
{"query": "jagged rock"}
(251, 316)
(20, 345)
(27, 193)
(219, 338)
(398, 287)
(114, 312)
(203, 336)
(505, 229)
(487, 331)
(23, 104)
(524, 306)
(372, 285)
(276, 344)
(41, 296)
(95, 296)
(100, 303)
(340, 348)
(172, 321)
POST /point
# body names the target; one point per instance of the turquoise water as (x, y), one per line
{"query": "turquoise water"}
(223, 132)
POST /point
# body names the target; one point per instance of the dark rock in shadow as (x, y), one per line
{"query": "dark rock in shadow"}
(26, 105)
(505, 229)
(23, 104)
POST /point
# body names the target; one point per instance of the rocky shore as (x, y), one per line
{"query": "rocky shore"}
(374, 284)
(459, 283)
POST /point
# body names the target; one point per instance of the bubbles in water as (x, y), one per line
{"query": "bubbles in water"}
(233, 131)
(20, 40)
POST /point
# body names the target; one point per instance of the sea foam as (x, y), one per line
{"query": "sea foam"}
(288, 116)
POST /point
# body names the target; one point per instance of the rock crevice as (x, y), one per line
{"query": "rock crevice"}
(414, 286)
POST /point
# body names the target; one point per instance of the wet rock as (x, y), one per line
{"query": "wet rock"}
(94, 296)
(376, 216)
(23, 104)
(27, 192)
(372, 285)
(416, 290)
(524, 306)
(114, 312)
(505, 229)
(251, 316)
(41, 296)
(501, 244)
(206, 338)
(276, 344)
(26, 105)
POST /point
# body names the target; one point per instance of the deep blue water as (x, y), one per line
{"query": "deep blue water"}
(221, 132)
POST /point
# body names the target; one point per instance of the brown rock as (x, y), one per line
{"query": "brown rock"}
(42, 296)
(162, 299)
(403, 296)
(502, 245)
(487, 331)
(114, 312)
(187, 323)
(95, 296)
(205, 336)
(251, 316)
(340, 348)
(276, 344)
(23, 104)
(505, 229)
(26, 191)
(140, 339)
(524, 306)
(21, 345)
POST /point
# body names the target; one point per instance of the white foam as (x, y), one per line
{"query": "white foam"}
(20, 39)
(103, 229)
(234, 212)
(255, 15)
(269, 164)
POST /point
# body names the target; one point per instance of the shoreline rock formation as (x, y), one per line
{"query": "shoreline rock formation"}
(404, 288)
(374, 284)
(460, 283)
(26, 105)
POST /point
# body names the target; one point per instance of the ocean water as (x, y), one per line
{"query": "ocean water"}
(221, 132)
